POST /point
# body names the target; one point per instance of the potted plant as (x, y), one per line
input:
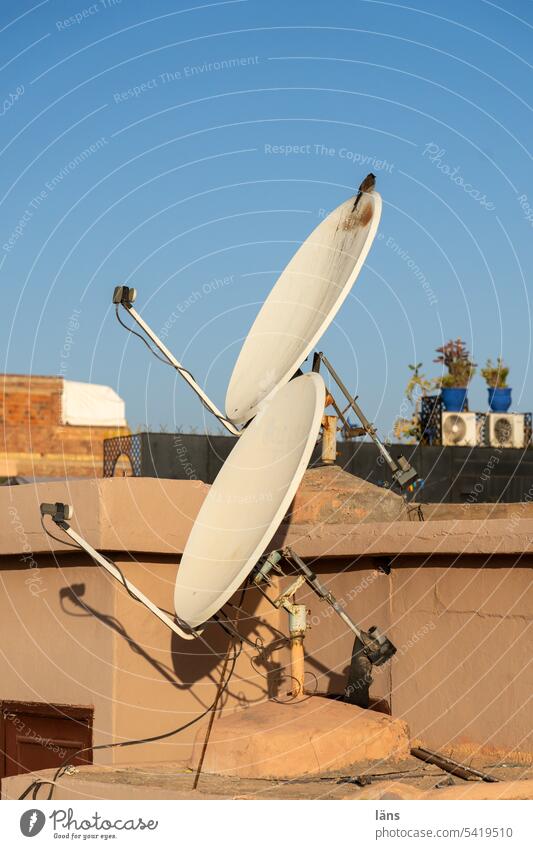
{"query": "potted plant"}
(496, 379)
(454, 385)
(416, 389)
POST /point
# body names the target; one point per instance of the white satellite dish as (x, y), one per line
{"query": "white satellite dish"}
(248, 499)
(302, 304)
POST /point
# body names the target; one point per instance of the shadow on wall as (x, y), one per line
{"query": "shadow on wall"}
(264, 674)
(199, 660)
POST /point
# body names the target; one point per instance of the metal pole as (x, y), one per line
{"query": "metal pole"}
(368, 426)
(322, 591)
(329, 440)
(402, 471)
(297, 629)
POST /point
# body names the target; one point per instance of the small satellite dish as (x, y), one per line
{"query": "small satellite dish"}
(302, 304)
(248, 499)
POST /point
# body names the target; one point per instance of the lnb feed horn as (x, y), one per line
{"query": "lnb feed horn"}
(58, 511)
(124, 295)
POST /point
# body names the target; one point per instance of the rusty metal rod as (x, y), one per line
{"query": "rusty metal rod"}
(215, 706)
(212, 718)
(448, 765)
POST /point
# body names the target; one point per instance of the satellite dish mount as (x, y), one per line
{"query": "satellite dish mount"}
(371, 648)
(402, 472)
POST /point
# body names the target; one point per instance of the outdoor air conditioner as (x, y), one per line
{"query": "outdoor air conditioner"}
(506, 430)
(459, 429)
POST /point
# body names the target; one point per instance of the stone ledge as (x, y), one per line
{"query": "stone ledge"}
(155, 515)
(452, 536)
(313, 736)
(113, 514)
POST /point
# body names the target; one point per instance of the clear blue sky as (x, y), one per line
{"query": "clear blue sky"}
(138, 145)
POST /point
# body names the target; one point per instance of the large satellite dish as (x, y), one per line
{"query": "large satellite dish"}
(302, 304)
(248, 499)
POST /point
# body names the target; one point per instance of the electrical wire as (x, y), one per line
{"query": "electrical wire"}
(257, 619)
(141, 337)
(123, 580)
(230, 629)
(180, 369)
(36, 785)
(57, 539)
(111, 562)
(226, 625)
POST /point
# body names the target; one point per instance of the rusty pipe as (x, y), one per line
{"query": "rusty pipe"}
(297, 629)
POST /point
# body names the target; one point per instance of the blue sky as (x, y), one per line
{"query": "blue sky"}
(187, 149)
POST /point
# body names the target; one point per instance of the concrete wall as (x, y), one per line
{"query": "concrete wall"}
(162, 681)
(461, 620)
(468, 677)
(462, 677)
(52, 649)
(71, 635)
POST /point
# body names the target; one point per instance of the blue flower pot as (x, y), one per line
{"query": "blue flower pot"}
(499, 399)
(453, 399)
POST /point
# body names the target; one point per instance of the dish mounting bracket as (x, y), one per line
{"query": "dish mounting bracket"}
(375, 645)
(402, 472)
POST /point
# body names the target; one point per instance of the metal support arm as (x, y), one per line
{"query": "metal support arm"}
(59, 512)
(125, 296)
(402, 471)
(375, 645)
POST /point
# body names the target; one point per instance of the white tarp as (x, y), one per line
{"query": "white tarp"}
(91, 404)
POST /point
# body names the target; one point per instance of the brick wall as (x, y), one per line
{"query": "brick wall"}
(33, 439)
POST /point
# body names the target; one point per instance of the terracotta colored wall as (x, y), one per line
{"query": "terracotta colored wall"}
(519, 510)
(468, 677)
(461, 621)
(52, 651)
(163, 681)
(32, 438)
(462, 677)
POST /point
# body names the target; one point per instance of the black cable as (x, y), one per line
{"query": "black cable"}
(111, 562)
(228, 627)
(180, 369)
(124, 582)
(57, 539)
(257, 619)
(123, 579)
(36, 785)
(234, 634)
(139, 336)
